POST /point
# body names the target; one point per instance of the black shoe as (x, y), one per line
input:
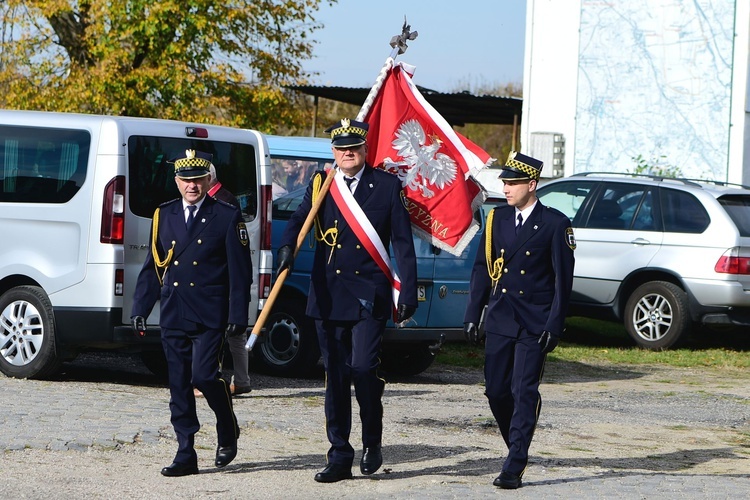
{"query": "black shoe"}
(236, 390)
(333, 473)
(225, 455)
(508, 481)
(372, 459)
(176, 470)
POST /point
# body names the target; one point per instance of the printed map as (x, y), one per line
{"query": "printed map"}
(655, 81)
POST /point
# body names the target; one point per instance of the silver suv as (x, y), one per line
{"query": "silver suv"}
(659, 254)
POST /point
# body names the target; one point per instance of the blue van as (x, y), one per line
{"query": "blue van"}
(289, 345)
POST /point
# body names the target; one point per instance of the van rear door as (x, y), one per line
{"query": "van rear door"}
(242, 167)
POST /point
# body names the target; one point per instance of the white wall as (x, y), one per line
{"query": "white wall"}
(739, 138)
(550, 72)
(551, 89)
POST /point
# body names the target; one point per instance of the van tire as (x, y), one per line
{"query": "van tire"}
(656, 315)
(289, 347)
(27, 334)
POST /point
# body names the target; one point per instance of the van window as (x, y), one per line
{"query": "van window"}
(152, 177)
(42, 165)
(291, 173)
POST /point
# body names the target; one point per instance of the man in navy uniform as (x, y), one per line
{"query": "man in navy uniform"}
(199, 268)
(351, 297)
(523, 273)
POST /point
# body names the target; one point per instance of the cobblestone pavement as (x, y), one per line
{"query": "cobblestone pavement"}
(101, 429)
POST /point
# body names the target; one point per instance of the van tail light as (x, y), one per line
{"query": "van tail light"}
(113, 211)
(264, 287)
(265, 217)
(731, 262)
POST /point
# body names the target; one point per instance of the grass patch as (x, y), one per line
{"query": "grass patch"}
(593, 341)
(679, 427)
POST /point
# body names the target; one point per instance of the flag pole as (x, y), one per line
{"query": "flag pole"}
(398, 45)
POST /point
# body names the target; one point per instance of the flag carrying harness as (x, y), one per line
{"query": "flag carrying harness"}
(330, 236)
(494, 267)
(159, 264)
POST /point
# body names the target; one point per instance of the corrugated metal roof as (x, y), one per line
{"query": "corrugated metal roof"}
(457, 108)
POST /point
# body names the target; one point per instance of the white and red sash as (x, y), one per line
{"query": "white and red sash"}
(356, 219)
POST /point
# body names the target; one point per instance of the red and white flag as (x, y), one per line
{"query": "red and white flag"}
(410, 139)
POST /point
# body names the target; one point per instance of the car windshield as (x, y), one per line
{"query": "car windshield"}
(286, 204)
(738, 208)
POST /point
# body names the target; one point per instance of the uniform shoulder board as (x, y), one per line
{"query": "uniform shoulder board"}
(555, 211)
(167, 203)
(225, 203)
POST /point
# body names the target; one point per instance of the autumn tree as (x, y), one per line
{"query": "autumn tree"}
(198, 60)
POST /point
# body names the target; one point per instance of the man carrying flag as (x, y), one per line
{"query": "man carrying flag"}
(354, 290)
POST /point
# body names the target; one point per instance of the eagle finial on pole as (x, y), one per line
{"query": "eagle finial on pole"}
(399, 41)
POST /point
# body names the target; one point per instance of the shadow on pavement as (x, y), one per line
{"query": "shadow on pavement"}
(110, 367)
(397, 456)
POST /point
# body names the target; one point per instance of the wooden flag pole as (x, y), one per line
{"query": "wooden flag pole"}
(398, 44)
(276, 290)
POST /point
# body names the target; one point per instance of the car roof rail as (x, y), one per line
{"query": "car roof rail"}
(657, 178)
(720, 183)
(661, 178)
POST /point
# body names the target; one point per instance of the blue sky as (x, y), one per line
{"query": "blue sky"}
(462, 45)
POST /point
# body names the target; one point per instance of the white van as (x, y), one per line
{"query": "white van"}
(77, 193)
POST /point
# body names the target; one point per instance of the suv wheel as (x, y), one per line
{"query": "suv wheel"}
(656, 315)
(290, 347)
(27, 333)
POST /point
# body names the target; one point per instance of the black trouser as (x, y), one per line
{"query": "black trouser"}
(513, 369)
(193, 361)
(350, 352)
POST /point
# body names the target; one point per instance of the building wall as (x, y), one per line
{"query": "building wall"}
(666, 82)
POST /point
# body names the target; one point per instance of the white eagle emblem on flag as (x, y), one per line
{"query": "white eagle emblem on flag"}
(422, 164)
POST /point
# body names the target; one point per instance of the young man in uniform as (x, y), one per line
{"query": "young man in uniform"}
(523, 273)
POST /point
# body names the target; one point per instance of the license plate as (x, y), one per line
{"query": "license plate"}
(421, 293)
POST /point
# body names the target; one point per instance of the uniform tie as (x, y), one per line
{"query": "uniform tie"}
(191, 216)
(349, 181)
(520, 222)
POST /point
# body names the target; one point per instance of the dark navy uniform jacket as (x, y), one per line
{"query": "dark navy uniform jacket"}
(208, 280)
(537, 273)
(352, 278)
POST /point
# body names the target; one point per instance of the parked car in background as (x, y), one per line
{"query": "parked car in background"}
(658, 254)
(289, 344)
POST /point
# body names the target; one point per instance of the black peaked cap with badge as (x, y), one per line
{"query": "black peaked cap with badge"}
(348, 133)
(521, 167)
(193, 165)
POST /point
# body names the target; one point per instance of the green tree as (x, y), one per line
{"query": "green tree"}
(656, 166)
(198, 60)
